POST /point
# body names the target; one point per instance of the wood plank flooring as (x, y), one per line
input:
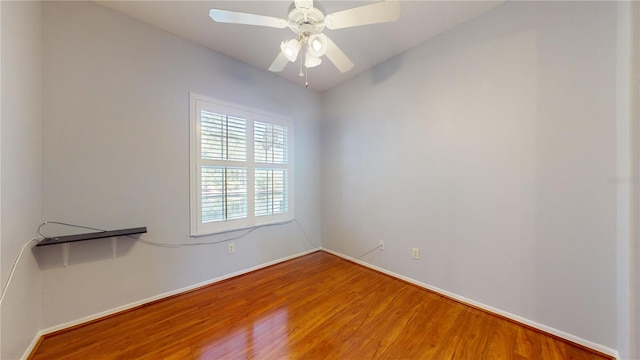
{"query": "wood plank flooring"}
(317, 306)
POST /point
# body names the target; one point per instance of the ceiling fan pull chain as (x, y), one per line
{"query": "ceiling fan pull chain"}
(306, 77)
(300, 73)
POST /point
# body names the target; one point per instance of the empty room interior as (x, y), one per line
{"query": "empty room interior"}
(319, 179)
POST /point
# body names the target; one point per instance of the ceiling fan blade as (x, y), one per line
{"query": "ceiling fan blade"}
(279, 63)
(233, 17)
(379, 12)
(337, 57)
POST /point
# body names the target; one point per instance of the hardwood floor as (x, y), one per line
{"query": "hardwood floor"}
(317, 306)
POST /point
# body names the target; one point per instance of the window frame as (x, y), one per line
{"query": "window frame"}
(197, 103)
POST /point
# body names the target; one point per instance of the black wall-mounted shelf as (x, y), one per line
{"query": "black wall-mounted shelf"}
(91, 236)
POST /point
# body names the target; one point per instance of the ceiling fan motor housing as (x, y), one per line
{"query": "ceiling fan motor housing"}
(306, 22)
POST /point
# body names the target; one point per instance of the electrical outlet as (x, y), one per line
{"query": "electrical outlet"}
(231, 248)
(381, 247)
(415, 253)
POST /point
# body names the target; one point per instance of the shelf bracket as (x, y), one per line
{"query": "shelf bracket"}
(114, 247)
(65, 254)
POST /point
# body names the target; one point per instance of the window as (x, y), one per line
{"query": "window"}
(241, 171)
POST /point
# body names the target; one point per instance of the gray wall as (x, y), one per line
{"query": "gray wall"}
(627, 119)
(116, 151)
(21, 171)
(632, 253)
(490, 148)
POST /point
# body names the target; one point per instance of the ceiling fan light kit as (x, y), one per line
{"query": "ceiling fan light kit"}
(290, 49)
(311, 61)
(308, 22)
(317, 45)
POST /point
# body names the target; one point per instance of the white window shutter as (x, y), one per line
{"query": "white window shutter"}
(241, 173)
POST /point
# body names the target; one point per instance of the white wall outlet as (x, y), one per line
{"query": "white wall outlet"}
(231, 248)
(415, 253)
(381, 247)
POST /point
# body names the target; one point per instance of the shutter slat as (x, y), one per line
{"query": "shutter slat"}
(212, 180)
(222, 137)
(224, 193)
(270, 143)
(271, 192)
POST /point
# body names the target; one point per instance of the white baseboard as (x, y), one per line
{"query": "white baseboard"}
(545, 328)
(155, 298)
(32, 346)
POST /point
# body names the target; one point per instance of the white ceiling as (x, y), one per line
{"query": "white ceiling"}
(366, 45)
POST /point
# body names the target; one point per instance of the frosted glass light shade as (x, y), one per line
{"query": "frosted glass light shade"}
(317, 45)
(290, 49)
(310, 60)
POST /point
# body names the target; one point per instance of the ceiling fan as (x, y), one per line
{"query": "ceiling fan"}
(307, 22)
